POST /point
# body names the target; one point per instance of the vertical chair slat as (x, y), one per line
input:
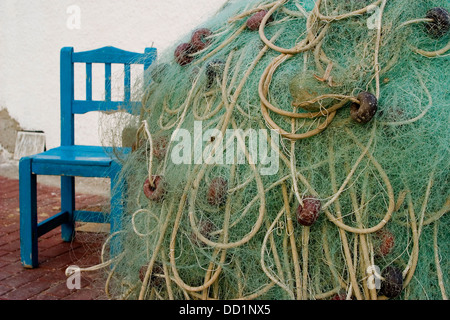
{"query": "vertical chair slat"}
(108, 81)
(127, 80)
(89, 81)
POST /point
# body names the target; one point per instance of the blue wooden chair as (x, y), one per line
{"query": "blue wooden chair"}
(70, 160)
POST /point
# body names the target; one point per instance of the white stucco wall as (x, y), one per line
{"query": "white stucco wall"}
(32, 32)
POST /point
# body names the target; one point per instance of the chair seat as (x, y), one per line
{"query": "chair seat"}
(75, 155)
(77, 160)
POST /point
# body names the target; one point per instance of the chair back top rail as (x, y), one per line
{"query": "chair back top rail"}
(112, 55)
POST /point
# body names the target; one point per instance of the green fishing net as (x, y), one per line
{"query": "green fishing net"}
(291, 150)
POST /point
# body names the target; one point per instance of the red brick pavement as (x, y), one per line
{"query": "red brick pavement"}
(48, 281)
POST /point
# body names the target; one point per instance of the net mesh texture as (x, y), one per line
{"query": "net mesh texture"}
(352, 99)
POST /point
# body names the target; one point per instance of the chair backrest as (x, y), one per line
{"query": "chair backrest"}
(106, 56)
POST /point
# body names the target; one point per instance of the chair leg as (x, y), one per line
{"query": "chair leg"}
(68, 205)
(118, 190)
(28, 215)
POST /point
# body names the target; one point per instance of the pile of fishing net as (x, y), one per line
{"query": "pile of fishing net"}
(292, 150)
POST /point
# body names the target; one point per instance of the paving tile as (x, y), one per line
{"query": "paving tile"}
(27, 291)
(58, 249)
(59, 290)
(10, 257)
(13, 268)
(24, 277)
(6, 239)
(12, 193)
(4, 289)
(12, 245)
(44, 296)
(59, 263)
(52, 241)
(51, 233)
(9, 228)
(4, 275)
(9, 189)
(83, 294)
